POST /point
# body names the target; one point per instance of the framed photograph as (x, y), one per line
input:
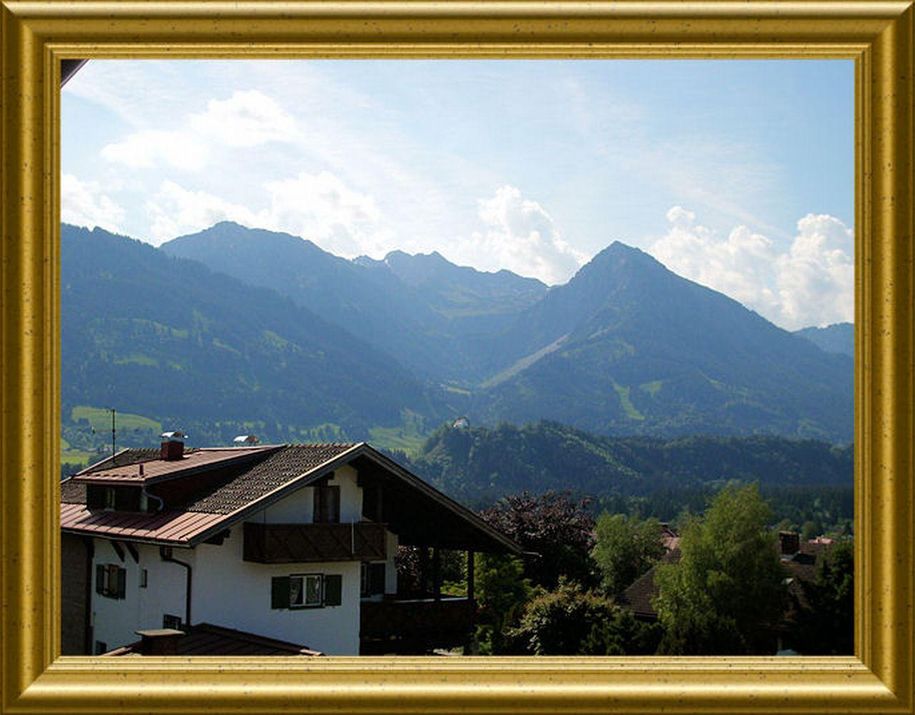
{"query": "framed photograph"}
(44, 41)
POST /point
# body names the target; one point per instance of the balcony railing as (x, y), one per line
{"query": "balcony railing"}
(299, 543)
(421, 623)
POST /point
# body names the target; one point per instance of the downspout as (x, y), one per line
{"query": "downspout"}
(165, 552)
(88, 626)
(153, 496)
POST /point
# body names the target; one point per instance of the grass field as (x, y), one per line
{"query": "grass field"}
(100, 419)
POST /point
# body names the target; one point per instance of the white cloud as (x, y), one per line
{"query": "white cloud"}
(82, 203)
(174, 211)
(816, 278)
(811, 283)
(322, 208)
(247, 118)
(151, 148)
(519, 235)
(319, 207)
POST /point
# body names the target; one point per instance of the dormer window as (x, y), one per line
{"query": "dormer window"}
(102, 497)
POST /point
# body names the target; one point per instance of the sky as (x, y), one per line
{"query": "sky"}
(737, 174)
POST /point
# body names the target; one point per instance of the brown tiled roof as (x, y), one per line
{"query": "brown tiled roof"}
(154, 470)
(277, 470)
(207, 639)
(640, 593)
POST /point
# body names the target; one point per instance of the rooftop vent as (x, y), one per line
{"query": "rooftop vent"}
(245, 440)
(172, 446)
(159, 641)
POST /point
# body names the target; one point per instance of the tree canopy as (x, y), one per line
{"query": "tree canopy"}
(727, 593)
(553, 525)
(625, 548)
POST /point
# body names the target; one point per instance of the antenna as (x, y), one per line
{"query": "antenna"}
(113, 430)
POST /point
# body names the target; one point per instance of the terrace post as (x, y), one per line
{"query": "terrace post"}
(436, 573)
(470, 574)
(423, 570)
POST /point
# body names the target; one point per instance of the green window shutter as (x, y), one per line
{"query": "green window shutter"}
(333, 590)
(122, 583)
(279, 592)
(376, 578)
(99, 578)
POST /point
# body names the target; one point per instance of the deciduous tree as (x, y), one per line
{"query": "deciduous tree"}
(727, 593)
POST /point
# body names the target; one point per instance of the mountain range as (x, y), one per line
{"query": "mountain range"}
(235, 326)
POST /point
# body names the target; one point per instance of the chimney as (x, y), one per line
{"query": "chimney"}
(159, 641)
(789, 543)
(172, 446)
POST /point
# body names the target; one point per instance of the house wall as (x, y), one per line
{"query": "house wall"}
(115, 621)
(298, 507)
(234, 593)
(74, 588)
(231, 592)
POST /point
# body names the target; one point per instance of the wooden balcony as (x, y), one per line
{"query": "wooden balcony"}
(302, 543)
(415, 625)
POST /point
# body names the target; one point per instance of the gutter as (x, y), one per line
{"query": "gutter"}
(165, 553)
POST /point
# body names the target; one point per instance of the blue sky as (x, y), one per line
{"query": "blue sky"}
(737, 174)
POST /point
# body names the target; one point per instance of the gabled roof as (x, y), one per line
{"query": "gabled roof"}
(414, 507)
(208, 639)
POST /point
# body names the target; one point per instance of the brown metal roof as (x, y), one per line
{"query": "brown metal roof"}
(166, 527)
(208, 639)
(149, 471)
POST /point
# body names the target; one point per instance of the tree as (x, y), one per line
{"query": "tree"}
(625, 548)
(554, 526)
(727, 592)
(573, 621)
(501, 592)
(827, 622)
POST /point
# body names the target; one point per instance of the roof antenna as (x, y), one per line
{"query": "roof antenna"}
(113, 430)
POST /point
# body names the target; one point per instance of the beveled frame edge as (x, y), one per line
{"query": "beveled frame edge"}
(36, 35)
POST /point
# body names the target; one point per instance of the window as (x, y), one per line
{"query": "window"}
(119, 498)
(372, 579)
(144, 578)
(327, 505)
(170, 621)
(311, 590)
(110, 581)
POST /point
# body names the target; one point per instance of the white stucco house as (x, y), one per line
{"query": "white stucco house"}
(288, 544)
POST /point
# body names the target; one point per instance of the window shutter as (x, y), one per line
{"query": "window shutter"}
(122, 583)
(99, 578)
(333, 590)
(376, 578)
(279, 592)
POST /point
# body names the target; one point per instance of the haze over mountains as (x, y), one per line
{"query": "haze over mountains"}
(235, 326)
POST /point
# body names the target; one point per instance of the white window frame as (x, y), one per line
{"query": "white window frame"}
(303, 581)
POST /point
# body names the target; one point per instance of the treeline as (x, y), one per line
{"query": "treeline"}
(479, 465)
(727, 592)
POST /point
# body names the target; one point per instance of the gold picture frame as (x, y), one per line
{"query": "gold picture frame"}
(878, 36)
